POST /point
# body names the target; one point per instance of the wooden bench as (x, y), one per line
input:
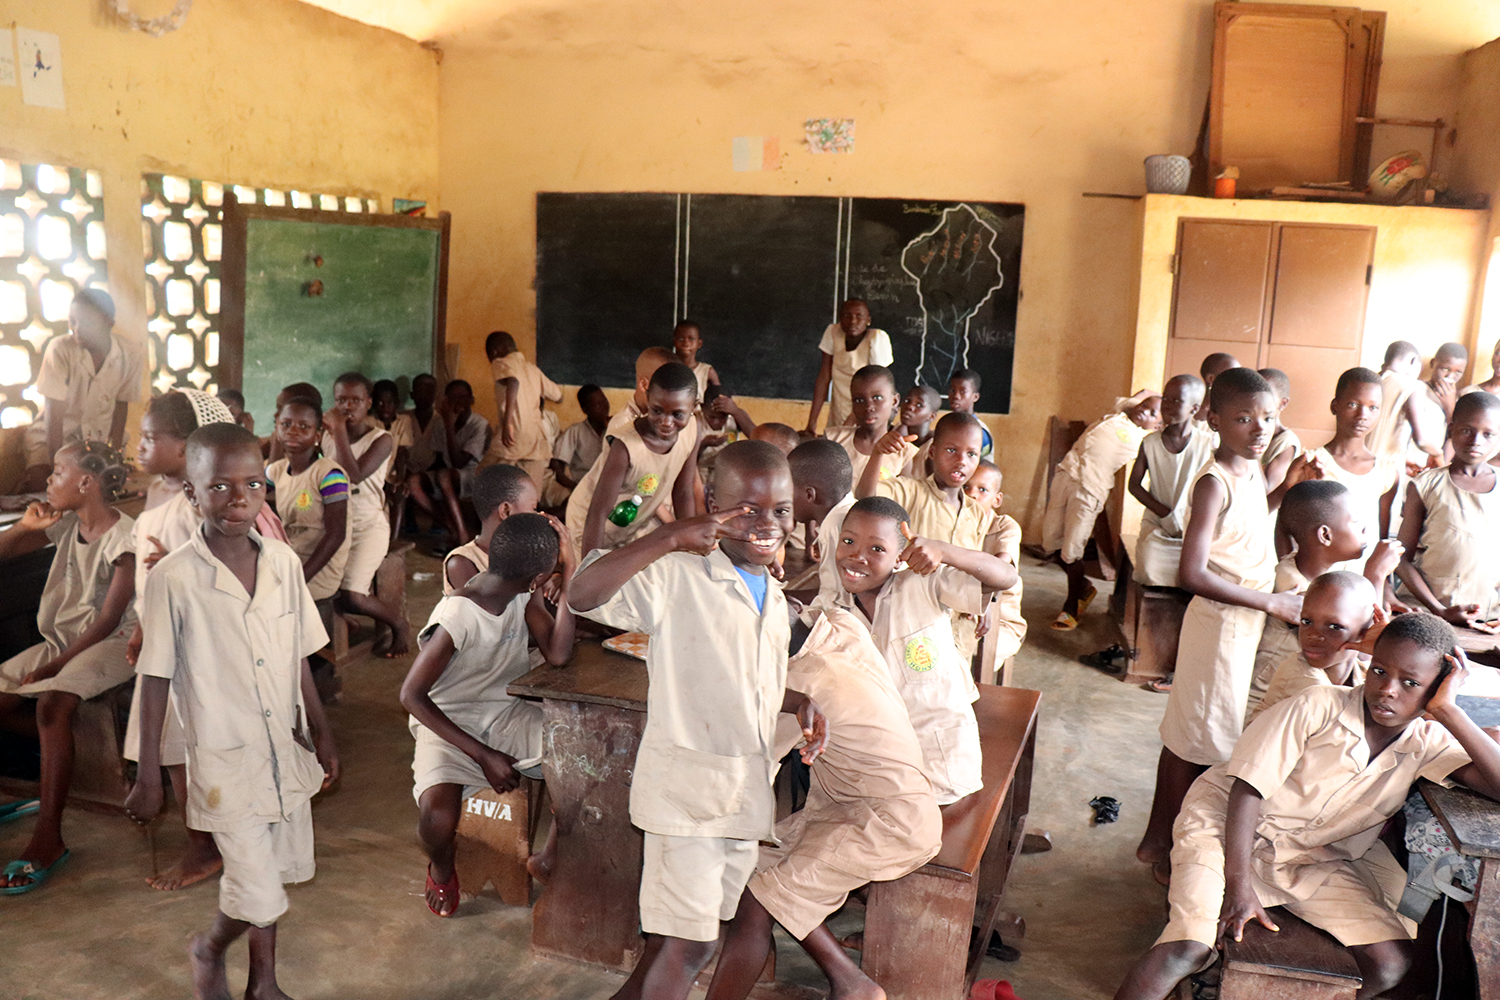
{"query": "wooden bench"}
(918, 928)
(1152, 624)
(1299, 962)
(494, 838)
(101, 775)
(347, 642)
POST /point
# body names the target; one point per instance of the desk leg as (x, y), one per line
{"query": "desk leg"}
(590, 910)
(1484, 929)
(917, 936)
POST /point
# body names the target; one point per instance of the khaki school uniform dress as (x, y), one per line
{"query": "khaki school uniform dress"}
(172, 523)
(1391, 435)
(1459, 551)
(1082, 482)
(890, 465)
(1294, 674)
(1365, 492)
(300, 505)
(82, 396)
(1216, 646)
(532, 448)
(471, 550)
(76, 587)
(1007, 625)
(1317, 849)
(1282, 441)
(578, 448)
(403, 432)
(871, 815)
(489, 652)
(1169, 477)
(235, 663)
(427, 443)
(704, 373)
(874, 349)
(913, 629)
(702, 784)
(649, 476)
(828, 545)
(1278, 640)
(368, 528)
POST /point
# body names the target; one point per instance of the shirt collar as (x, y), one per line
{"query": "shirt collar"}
(266, 582)
(720, 567)
(1352, 718)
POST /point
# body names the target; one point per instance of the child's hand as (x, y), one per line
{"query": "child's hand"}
(1366, 643)
(564, 549)
(1302, 469)
(45, 672)
(922, 556)
(702, 533)
(982, 628)
(814, 729)
(1241, 906)
(133, 645)
(1464, 616)
(1285, 606)
(814, 550)
(333, 423)
(152, 558)
(1445, 698)
(723, 404)
(144, 800)
(39, 517)
(892, 442)
(328, 757)
(713, 440)
(499, 770)
(1385, 557)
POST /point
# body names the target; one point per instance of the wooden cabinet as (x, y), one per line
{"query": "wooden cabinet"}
(1275, 295)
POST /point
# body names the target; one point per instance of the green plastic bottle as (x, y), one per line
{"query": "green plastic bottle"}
(625, 511)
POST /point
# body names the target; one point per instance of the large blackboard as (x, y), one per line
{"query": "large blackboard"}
(764, 274)
(377, 307)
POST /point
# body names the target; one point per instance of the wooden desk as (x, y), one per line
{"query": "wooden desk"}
(1473, 823)
(593, 715)
(1482, 647)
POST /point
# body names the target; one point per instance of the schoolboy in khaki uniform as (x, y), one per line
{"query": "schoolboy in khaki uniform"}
(1293, 818)
(936, 504)
(1338, 609)
(520, 388)
(228, 625)
(702, 786)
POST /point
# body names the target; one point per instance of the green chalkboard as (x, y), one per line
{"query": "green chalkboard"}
(309, 295)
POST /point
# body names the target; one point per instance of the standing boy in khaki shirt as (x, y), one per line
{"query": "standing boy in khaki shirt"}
(520, 388)
(717, 667)
(228, 625)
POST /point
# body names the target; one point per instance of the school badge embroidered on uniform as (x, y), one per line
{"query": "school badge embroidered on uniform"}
(648, 484)
(921, 654)
(304, 500)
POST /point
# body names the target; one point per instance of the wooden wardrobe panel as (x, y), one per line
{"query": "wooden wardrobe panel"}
(1322, 282)
(1221, 288)
(1314, 372)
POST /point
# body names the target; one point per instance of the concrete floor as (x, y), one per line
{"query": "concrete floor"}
(360, 929)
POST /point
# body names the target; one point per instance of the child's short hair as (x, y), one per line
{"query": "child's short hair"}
(1232, 383)
(98, 300)
(499, 344)
(458, 383)
(1473, 404)
(883, 507)
(356, 378)
(174, 413)
(1354, 377)
(385, 387)
(495, 485)
(1426, 631)
(748, 457)
(824, 465)
(585, 391)
(426, 378)
(1342, 581)
(1217, 363)
(231, 397)
(203, 441)
(685, 321)
(956, 421)
(985, 465)
(1281, 384)
(968, 375)
(1458, 352)
(523, 547)
(1309, 505)
(713, 392)
(1401, 350)
(674, 376)
(780, 436)
(106, 465)
(871, 372)
(316, 405)
(305, 391)
(929, 395)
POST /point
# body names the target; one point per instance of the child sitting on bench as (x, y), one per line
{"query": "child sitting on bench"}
(470, 733)
(499, 492)
(870, 814)
(1303, 788)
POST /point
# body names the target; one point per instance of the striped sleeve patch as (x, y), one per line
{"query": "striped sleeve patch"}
(334, 486)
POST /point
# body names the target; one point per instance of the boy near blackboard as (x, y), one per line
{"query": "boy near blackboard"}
(520, 389)
(687, 341)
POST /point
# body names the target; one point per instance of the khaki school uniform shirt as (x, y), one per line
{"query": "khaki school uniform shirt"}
(1104, 449)
(717, 670)
(1004, 540)
(172, 523)
(84, 398)
(79, 580)
(1243, 547)
(531, 443)
(890, 465)
(366, 497)
(1294, 675)
(1281, 442)
(235, 663)
(1325, 800)
(828, 545)
(932, 516)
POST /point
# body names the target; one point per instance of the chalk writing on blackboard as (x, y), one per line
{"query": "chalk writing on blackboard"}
(956, 270)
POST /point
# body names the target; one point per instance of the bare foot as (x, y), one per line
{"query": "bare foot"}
(400, 641)
(854, 942)
(209, 980)
(1162, 872)
(200, 861)
(863, 988)
(539, 865)
(269, 991)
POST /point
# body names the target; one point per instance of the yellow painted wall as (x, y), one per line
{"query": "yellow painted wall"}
(1476, 167)
(994, 100)
(268, 93)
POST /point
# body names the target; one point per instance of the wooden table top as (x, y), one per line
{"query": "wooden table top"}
(595, 675)
(1481, 644)
(1471, 820)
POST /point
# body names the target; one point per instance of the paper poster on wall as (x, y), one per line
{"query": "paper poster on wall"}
(829, 135)
(40, 68)
(7, 58)
(756, 152)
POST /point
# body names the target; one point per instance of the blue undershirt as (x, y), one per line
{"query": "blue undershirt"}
(757, 584)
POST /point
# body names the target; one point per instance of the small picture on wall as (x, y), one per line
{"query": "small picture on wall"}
(40, 69)
(830, 135)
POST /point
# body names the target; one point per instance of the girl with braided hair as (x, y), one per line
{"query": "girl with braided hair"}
(84, 619)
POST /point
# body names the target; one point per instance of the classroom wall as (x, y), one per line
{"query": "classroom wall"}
(993, 100)
(1476, 167)
(271, 93)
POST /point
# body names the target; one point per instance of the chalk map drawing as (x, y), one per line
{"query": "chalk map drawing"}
(956, 269)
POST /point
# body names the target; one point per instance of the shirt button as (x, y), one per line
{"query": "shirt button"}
(268, 713)
(260, 663)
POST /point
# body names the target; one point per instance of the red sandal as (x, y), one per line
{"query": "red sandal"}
(451, 886)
